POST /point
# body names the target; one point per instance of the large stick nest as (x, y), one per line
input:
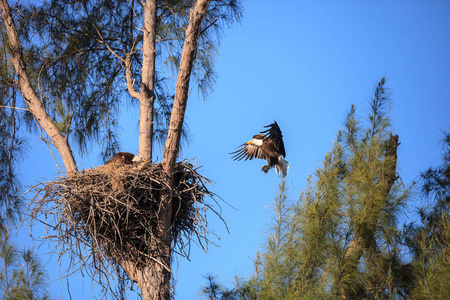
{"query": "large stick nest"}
(113, 211)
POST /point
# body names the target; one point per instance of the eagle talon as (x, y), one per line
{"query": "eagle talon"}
(265, 169)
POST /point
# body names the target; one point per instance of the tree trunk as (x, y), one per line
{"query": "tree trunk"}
(31, 99)
(154, 279)
(147, 95)
(172, 145)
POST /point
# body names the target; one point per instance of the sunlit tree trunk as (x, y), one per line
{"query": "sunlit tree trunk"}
(147, 95)
(154, 279)
(172, 144)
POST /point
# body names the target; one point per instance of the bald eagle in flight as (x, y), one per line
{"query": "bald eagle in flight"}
(266, 145)
(125, 158)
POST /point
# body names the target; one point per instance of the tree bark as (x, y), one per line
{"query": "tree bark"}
(153, 279)
(31, 99)
(147, 95)
(156, 284)
(172, 144)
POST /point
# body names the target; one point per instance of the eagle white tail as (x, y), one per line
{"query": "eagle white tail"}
(282, 167)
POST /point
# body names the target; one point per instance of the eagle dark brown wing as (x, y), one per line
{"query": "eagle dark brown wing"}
(274, 134)
(121, 158)
(248, 151)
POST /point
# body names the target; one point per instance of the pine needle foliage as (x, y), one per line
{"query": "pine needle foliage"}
(22, 275)
(12, 145)
(75, 53)
(340, 239)
(429, 241)
(213, 290)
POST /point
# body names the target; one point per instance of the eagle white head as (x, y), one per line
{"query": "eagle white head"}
(256, 142)
(137, 159)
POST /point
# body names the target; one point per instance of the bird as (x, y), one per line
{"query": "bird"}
(266, 145)
(125, 158)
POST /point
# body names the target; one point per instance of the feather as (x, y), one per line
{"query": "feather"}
(274, 133)
(123, 158)
(282, 167)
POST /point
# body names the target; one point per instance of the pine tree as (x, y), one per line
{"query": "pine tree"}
(11, 149)
(340, 240)
(213, 290)
(22, 275)
(67, 63)
(429, 241)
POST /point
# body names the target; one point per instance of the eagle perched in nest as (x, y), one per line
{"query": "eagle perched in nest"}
(125, 158)
(266, 145)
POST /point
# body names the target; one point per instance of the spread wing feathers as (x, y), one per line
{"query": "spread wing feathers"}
(248, 151)
(274, 134)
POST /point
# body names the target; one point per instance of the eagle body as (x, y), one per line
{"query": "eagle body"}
(266, 145)
(125, 158)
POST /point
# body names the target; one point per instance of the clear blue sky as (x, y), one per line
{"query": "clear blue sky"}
(301, 63)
